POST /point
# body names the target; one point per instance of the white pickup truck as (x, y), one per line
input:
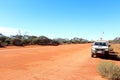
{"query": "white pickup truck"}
(100, 48)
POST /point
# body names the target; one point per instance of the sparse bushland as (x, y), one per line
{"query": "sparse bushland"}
(109, 70)
(22, 40)
(116, 40)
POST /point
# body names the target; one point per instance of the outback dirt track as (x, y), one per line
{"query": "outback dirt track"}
(64, 62)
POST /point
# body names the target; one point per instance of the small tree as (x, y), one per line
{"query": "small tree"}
(25, 41)
(17, 42)
(32, 39)
(54, 43)
(42, 40)
(2, 41)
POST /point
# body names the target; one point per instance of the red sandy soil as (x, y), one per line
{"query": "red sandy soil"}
(64, 62)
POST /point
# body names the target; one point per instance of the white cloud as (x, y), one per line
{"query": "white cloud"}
(8, 31)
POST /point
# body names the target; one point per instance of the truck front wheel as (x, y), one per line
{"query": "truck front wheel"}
(93, 55)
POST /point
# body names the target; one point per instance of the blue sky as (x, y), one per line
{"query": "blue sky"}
(61, 18)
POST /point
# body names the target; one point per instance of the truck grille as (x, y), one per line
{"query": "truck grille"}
(99, 49)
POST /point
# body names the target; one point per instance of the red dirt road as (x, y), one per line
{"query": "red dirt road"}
(64, 62)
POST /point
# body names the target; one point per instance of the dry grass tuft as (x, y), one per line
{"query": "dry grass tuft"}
(109, 70)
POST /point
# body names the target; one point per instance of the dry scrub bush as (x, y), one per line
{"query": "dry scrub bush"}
(109, 70)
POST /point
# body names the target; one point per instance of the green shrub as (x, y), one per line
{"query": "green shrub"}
(42, 40)
(3, 41)
(54, 43)
(34, 41)
(17, 42)
(2, 44)
(109, 70)
(25, 41)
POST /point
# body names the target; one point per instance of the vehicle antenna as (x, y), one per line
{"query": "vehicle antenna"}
(102, 36)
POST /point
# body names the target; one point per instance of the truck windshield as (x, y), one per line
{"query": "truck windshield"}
(100, 44)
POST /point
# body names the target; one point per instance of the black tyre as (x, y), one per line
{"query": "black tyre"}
(93, 55)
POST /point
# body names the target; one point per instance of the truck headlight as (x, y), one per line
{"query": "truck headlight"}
(93, 49)
(106, 49)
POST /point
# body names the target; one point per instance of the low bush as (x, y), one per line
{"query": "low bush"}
(2, 44)
(109, 70)
(17, 42)
(54, 43)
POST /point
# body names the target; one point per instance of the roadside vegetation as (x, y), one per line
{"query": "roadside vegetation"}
(115, 44)
(116, 47)
(109, 70)
(23, 40)
(116, 40)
